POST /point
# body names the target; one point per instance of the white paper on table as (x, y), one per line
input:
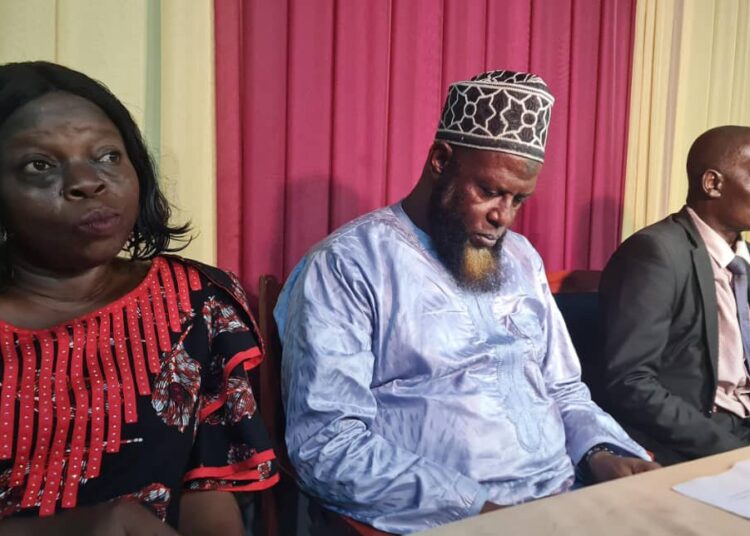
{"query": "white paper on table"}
(729, 490)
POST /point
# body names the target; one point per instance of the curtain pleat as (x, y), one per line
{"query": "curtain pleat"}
(228, 68)
(609, 155)
(264, 128)
(310, 127)
(360, 110)
(406, 139)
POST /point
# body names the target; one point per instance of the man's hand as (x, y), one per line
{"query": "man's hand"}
(490, 507)
(605, 466)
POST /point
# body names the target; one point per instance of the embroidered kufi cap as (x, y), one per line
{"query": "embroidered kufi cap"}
(502, 111)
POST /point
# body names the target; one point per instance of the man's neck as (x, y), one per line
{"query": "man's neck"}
(730, 236)
(416, 204)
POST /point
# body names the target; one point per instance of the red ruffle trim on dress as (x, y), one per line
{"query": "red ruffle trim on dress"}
(80, 358)
(246, 475)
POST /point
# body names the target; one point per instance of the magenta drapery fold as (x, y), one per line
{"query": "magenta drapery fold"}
(326, 110)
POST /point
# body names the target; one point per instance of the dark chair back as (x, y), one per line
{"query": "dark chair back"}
(577, 297)
(574, 281)
(269, 397)
(279, 505)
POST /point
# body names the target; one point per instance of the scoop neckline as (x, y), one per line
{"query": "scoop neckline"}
(156, 262)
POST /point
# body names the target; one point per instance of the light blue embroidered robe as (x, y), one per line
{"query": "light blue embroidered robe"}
(411, 402)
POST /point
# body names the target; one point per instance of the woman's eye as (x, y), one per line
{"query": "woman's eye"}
(111, 157)
(36, 166)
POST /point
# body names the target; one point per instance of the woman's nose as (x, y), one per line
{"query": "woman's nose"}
(82, 181)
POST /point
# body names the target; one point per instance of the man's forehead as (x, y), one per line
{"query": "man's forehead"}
(744, 148)
(496, 162)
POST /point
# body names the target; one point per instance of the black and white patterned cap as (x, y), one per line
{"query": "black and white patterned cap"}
(501, 111)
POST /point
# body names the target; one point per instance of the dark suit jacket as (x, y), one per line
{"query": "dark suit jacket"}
(660, 325)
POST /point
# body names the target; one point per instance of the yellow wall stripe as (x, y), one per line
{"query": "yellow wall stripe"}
(691, 72)
(188, 140)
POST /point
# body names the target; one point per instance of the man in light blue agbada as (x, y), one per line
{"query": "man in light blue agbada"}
(428, 374)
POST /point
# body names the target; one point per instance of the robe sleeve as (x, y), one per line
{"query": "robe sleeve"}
(586, 424)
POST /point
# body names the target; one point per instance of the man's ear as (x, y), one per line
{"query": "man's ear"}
(440, 156)
(712, 182)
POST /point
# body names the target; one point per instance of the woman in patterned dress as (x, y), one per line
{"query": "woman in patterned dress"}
(125, 406)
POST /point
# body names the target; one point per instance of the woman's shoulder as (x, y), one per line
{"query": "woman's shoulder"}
(216, 275)
(208, 276)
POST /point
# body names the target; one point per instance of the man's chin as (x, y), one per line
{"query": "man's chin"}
(473, 259)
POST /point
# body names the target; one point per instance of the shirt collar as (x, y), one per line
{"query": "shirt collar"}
(717, 247)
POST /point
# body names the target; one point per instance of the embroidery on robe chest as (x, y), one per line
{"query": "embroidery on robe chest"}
(519, 381)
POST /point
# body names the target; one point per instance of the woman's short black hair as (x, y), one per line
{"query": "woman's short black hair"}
(23, 82)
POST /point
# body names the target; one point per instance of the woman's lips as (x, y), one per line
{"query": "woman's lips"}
(99, 222)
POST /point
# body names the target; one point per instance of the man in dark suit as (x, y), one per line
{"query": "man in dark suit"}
(676, 336)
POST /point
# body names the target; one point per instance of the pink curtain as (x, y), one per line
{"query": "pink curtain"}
(326, 109)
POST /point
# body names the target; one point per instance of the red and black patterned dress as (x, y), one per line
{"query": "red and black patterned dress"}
(143, 398)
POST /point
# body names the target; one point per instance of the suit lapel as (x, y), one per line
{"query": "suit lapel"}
(705, 274)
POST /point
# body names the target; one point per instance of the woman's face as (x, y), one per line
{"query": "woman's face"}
(68, 191)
